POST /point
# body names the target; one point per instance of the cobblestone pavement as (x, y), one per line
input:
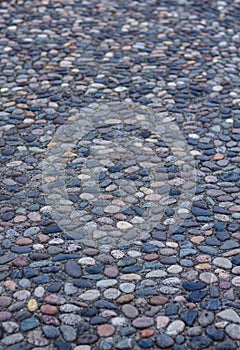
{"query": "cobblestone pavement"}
(171, 286)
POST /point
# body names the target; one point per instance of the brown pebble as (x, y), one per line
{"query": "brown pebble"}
(143, 322)
(10, 285)
(21, 261)
(147, 333)
(49, 309)
(5, 316)
(54, 299)
(105, 330)
(111, 271)
(43, 238)
(5, 301)
(130, 311)
(158, 300)
(124, 299)
(191, 305)
(150, 257)
(24, 241)
(203, 266)
(48, 319)
(203, 258)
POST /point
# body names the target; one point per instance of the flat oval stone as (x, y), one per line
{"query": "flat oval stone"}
(49, 309)
(37, 338)
(229, 315)
(55, 299)
(208, 277)
(111, 271)
(175, 328)
(32, 305)
(164, 341)
(159, 300)
(73, 269)
(236, 281)
(162, 321)
(87, 339)
(90, 295)
(105, 330)
(130, 311)
(233, 330)
(5, 301)
(111, 293)
(143, 322)
(106, 283)
(5, 316)
(223, 263)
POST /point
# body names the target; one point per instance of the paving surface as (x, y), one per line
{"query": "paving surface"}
(172, 286)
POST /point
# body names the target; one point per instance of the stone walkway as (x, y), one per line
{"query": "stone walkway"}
(90, 270)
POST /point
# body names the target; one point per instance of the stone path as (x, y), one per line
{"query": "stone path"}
(164, 287)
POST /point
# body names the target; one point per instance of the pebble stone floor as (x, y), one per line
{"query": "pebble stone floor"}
(165, 290)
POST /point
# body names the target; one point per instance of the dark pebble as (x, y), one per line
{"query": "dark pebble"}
(189, 317)
(163, 341)
(171, 309)
(196, 296)
(212, 304)
(73, 269)
(145, 343)
(191, 286)
(87, 339)
(61, 345)
(214, 333)
(199, 342)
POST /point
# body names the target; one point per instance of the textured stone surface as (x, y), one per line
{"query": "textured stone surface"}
(125, 259)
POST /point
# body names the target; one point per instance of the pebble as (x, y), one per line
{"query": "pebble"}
(162, 321)
(32, 305)
(175, 328)
(223, 263)
(73, 269)
(90, 295)
(164, 341)
(130, 311)
(143, 322)
(229, 315)
(206, 318)
(105, 330)
(233, 331)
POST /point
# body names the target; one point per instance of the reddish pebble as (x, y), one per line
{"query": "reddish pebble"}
(43, 238)
(34, 216)
(21, 261)
(191, 305)
(111, 271)
(24, 241)
(218, 156)
(48, 319)
(54, 299)
(5, 316)
(224, 285)
(159, 300)
(49, 309)
(147, 333)
(5, 301)
(105, 330)
(150, 257)
(143, 322)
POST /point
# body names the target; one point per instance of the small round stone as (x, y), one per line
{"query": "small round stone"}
(105, 330)
(32, 305)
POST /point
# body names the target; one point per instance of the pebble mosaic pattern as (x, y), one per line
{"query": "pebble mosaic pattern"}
(172, 286)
